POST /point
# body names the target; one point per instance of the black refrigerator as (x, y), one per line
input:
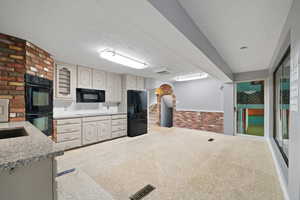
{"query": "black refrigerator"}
(136, 113)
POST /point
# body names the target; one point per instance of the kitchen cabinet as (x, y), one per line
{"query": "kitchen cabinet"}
(65, 81)
(104, 130)
(89, 133)
(84, 77)
(131, 81)
(140, 83)
(75, 132)
(114, 88)
(68, 133)
(119, 126)
(134, 82)
(99, 79)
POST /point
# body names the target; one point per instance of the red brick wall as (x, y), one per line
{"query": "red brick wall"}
(12, 70)
(38, 62)
(207, 121)
(18, 56)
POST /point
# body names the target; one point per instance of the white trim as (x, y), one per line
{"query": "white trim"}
(194, 110)
(279, 172)
(251, 136)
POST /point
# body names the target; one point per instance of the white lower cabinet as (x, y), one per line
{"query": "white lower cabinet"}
(89, 133)
(76, 132)
(104, 130)
(119, 126)
(68, 133)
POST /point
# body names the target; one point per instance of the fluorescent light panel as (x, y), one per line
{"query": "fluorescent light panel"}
(190, 77)
(113, 56)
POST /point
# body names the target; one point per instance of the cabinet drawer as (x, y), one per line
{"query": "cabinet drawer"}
(119, 117)
(118, 128)
(117, 122)
(68, 121)
(69, 144)
(68, 128)
(69, 136)
(118, 134)
(98, 118)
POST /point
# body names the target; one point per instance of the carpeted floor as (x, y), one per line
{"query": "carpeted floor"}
(181, 164)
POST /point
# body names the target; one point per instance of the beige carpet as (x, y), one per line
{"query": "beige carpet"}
(182, 165)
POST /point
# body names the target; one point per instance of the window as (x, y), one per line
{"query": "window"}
(282, 105)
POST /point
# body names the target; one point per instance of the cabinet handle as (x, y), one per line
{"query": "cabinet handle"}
(71, 130)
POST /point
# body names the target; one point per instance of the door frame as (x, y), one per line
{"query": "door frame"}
(266, 120)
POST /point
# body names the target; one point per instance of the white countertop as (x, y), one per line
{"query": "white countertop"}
(78, 114)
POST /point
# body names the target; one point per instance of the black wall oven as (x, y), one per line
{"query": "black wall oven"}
(39, 102)
(89, 95)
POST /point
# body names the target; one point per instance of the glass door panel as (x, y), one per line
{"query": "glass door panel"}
(250, 108)
(282, 105)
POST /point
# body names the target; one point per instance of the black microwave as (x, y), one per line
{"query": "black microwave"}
(89, 95)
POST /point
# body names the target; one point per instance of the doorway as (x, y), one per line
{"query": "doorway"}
(250, 108)
(166, 111)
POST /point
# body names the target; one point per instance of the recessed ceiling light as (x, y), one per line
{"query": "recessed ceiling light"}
(116, 57)
(243, 48)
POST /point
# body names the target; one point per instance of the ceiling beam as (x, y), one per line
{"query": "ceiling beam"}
(176, 14)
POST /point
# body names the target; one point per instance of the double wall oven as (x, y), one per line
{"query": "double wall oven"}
(39, 102)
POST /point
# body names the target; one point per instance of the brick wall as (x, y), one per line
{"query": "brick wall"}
(12, 70)
(207, 121)
(38, 62)
(18, 57)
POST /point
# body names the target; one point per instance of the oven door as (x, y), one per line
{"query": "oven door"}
(38, 99)
(42, 122)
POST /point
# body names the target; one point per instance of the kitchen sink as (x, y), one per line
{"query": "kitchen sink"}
(13, 133)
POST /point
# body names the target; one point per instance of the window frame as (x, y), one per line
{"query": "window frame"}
(286, 55)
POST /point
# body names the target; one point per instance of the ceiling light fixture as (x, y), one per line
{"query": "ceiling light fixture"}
(190, 77)
(243, 48)
(113, 56)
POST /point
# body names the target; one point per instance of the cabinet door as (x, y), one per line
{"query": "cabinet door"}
(84, 79)
(104, 130)
(109, 96)
(99, 79)
(65, 81)
(140, 83)
(118, 88)
(89, 133)
(130, 82)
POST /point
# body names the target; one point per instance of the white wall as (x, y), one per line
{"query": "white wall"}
(203, 95)
(290, 36)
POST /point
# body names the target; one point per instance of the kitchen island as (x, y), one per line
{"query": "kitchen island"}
(27, 163)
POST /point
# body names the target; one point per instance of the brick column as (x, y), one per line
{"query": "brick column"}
(12, 70)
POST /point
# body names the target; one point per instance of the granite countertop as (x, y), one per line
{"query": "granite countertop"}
(21, 151)
(67, 115)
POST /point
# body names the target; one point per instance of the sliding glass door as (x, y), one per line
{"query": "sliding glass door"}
(282, 105)
(250, 108)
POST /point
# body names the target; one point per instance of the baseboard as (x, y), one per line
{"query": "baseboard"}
(279, 172)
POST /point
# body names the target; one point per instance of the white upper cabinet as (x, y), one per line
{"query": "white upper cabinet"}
(118, 88)
(84, 77)
(99, 79)
(65, 80)
(130, 82)
(140, 83)
(113, 88)
(134, 82)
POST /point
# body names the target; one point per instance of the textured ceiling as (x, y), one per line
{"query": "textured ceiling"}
(73, 32)
(232, 24)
